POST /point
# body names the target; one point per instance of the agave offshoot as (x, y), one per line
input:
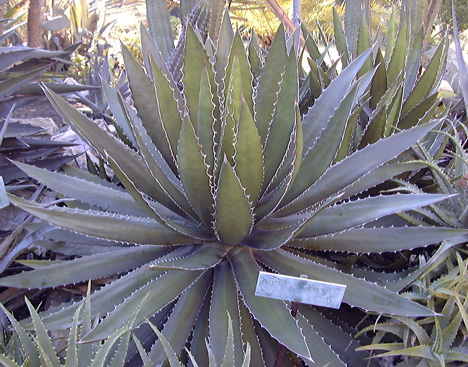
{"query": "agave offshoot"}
(222, 178)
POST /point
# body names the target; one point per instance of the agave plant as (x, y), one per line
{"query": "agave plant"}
(219, 180)
(37, 348)
(404, 88)
(229, 355)
(20, 347)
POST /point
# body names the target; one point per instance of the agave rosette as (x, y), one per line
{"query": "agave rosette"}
(223, 178)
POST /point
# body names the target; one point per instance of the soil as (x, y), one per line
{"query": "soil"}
(41, 108)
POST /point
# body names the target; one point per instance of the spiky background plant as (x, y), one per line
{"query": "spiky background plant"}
(20, 347)
(21, 65)
(403, 88)
(221, 179)
(36, 348)
(431, 341)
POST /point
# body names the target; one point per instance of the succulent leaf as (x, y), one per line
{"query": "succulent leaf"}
(171, 355)
(397, 62)
(105, 144)
(282, 124)
(104, 300)
(319, 349)
(29, 347)
(194, 52)
(269, 84)
(194, 173)
(342, 174)
(114, 227)
(182, 318)
(72, 350)
(47, 353)
(180, 226)
(117, 107)
(224, 303)
(363, 44)
(271, 313)
(414, 61)
(234, 212)
(359, 293)
(316, 119)
(150, 298)
(205, 257)
(379, 239)
(359, 212)
(147, 104)
(168, 106)
(428, 80)
(94, 266)
(223, 52)
(379, 82)
(105, 198)
(160, 27)
(205, 129)
(340, 39)
(249, 157)
(318, 158)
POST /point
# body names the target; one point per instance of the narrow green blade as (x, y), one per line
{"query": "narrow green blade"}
(224, 305)
(171, 355)
(356, 165)
(428, 82)
(28, 346)
(194, 61)
(282, 124)
(168, 108)
(183, 316)
(359, 212)
(340, 39)
(363, 44)
(249, 157)
(72, 350)
(81, 269)
(352, 19)
(194, 173)
(205, 257)
(112, 227)
(160, 291)
(392, 239)
(399, 53)
(160, 28)
(87, 192)
(44, 343)
(272, 314)
(359, 293)
(205, 129)
(147, 105)
(269, 84)
(233, 211)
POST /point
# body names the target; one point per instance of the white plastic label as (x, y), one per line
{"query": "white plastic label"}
(301, 290)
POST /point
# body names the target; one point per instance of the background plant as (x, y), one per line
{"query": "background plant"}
(433, 341)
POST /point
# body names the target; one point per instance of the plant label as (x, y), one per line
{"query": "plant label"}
(301, 290)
